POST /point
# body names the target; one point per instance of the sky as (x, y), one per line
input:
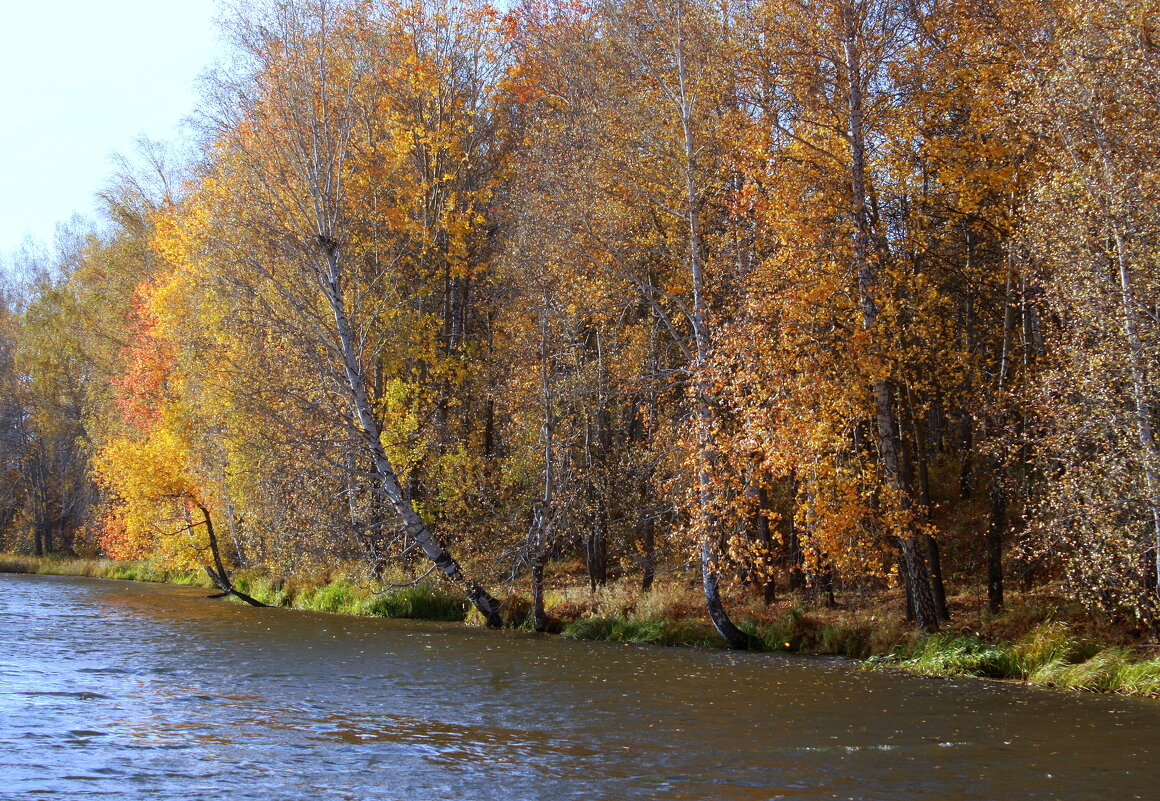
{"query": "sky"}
(81, 81)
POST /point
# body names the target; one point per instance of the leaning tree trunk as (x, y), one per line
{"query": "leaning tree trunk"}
(331, 283)
(220, 577)
(708, 525)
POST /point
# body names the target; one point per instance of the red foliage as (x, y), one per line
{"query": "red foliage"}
(149, 360)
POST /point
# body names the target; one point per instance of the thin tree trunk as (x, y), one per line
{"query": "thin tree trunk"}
(922, 471)
(542, 516)
(909, 595)
(1114, 204)
(539, 616)
(915, 565)
(388, 481)
(795, 555)
(708, 524)
(1145, 435)
(995, 528)
(762, 529)
(997, 524)
(648, 542)
(934, 557)
(220, 577)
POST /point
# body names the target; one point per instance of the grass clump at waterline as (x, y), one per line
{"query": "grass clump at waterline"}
(1049, 655)
(673, 615)
(425, 600)
(687, 633)
(100, 568)
(797, 631)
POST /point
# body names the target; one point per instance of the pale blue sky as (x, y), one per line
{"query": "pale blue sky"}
(79, 81)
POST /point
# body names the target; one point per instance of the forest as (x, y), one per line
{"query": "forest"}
(825, 297)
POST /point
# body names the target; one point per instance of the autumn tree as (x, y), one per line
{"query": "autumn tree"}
(314, 202)
(1091, 94)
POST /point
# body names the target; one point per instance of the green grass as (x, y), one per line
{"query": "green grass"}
(144, 571)
(335, 597)
(950, 655)
(794, 632)
(267, 589)
(420, 602)
(798, 632)
(100, 568)
(1139, 677)
(423, 601)
(12, 563)
(687, 633)
(1109, 670)
(1049, 655)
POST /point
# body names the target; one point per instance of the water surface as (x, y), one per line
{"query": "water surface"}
(133, 691)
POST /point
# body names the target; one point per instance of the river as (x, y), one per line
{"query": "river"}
(134, 691)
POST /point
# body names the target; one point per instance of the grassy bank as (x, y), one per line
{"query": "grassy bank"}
(1040, 640)
(1050, 655)
(1033, 642)
(338, 595)
(101, 568)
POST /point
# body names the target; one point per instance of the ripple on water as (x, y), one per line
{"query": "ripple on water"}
(82, 695)
(179, 697)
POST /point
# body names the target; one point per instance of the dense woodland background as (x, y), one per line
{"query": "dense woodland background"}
(830, 296)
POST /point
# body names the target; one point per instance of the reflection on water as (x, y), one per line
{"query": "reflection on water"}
(112, 689)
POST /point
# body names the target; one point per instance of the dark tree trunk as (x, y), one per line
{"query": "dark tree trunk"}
(825, 583)
(922, 473)
(936, 578)
(595, 551)
(66, 540)
(795, 559)
(767, 576)
(489, 429)
(995, 528)
(539, 617)
(219, 576)
(966, 446)
(918, 580)
(909, 596)
(865, 271)
(648, 541)
(732, 635)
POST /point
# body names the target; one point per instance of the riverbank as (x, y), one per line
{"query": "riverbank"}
(1038, 640)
